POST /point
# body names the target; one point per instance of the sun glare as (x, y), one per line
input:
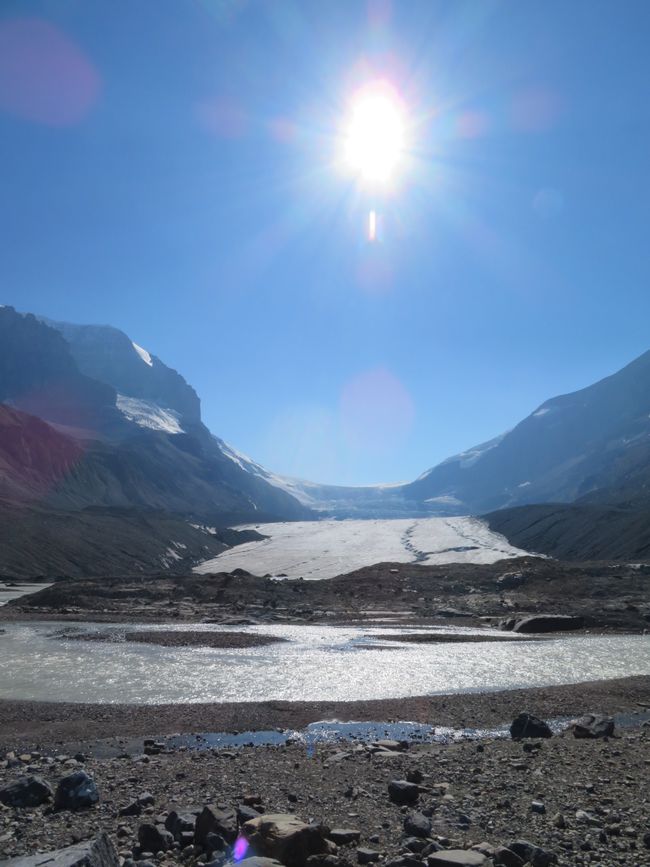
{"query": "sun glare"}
(374, 139)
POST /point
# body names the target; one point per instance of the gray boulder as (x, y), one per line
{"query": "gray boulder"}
(535, 855)
(528, 726)
(26, 792)
(402, 792)
(417, 825)
(99, 852)
(75, 792)
(457, 858)
(212, 820)
(593, 725)
(154, 838)
(287, 838)
(549, 623)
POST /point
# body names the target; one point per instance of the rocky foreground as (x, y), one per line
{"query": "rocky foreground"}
(532, 800)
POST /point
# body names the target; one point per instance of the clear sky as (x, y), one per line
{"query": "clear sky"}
(170, 167)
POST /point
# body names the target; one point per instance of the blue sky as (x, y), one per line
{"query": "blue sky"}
(167, 167)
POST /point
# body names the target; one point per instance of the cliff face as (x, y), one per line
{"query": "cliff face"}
(109, 356)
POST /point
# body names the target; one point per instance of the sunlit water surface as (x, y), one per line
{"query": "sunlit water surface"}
(316, 663)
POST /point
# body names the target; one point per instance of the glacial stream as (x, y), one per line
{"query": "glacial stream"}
(314, 663)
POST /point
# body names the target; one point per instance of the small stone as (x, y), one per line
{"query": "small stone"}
(456, 858)
(367, 856)
(344, 836)
(537, 807)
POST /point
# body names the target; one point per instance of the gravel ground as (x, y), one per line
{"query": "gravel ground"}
(473, 793)
(27, 724)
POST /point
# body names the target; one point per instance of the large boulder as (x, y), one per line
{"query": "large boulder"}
(286, 838)
(528, 726)
(549, 623)
(99, 852)
(402, 792)
(75, 792)
(532, 854)
(26, 792)
(212, 820)
(593, 725)
(154, 838)
(417, 825)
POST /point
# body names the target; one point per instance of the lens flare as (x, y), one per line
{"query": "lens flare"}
(240, 848)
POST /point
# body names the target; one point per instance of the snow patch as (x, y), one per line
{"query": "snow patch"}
(523, 485)
(324, 549)
(144, 355)
(147, 414)
(541, 412)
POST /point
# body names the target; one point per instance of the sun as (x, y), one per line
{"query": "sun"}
(374, 134)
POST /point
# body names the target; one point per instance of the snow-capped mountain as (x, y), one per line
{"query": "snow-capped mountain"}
(136, 423)
(592, 443)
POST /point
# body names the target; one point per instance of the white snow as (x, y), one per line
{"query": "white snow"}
(468, 458)
(541, 412)
(144, 355)
(324, 549)
(146, 413)
(523, 485)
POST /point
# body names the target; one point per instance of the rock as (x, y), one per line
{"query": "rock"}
(367, 856)
(414, 776)
(537, 807)
(256, 861)
(592, 726)
(417, 825)
(646, 840)
(99, 852)
(154, 838)
(585, 818)
(528, 726)
(403, 792)
(391, 745)
(26, 792)
(507, 858)
(537, 856)
(132, 809)
(213, 842)
(456, 858)
(549, 623)
(287, 838)
(215, 821)
(344, 836)
(246, 813)
(178, 823)
(511, 580)
(559, 821)
(75, 792)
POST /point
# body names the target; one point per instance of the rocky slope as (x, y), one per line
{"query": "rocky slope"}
(129, 439)
(593, 441)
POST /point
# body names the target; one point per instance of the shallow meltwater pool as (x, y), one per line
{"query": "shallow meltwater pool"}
(313, 663)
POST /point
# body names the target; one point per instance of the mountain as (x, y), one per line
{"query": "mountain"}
(107, 355)
(592, 443)
(90, 420)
